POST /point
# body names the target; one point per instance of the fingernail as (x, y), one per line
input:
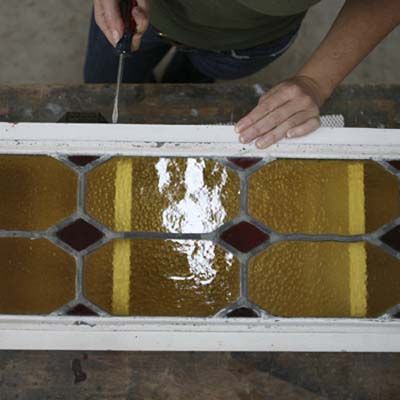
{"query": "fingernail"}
(236, 129)
(259, 145)
(263, 144)
(116, 37)
(289, 135)
(242, 139)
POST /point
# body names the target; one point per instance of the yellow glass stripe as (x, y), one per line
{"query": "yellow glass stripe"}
(357, 251)
(122, 248)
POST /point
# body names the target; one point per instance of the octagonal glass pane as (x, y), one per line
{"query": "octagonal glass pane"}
(161, 277)
(324, 279)
(36, 192)
(162, 194)
(36, 277)
(324, 196)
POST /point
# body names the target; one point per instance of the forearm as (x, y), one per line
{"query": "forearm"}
(291, 108)
(359, 27)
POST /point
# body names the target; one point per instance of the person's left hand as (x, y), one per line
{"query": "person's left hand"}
(290, 109)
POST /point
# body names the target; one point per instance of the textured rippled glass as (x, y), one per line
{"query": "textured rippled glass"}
(161, 278)
(162, 194)
(321, 197)
(36, 192)
(324, 279)
(36, 277)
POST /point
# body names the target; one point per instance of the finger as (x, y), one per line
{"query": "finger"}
(304, 129)
(136, 40)
(268, 122)
(144, 5)
(108, 18)
(275, 118)
(141, 19)
(276, 100)
(142, 23)
(261, 100)
(271, 137)
(281, 131)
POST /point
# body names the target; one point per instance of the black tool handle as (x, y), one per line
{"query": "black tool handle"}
(124, 45)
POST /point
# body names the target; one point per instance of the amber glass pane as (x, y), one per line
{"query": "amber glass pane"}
(321, 197)
(324, 279)
(383, 281)
(36, 192)
(161, 278)
(36, 277)
(162, 194)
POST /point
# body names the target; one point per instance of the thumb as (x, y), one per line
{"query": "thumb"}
(108, 17)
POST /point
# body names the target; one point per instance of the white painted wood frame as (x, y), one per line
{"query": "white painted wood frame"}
(195, 334)
(191, 140)
(198, 334)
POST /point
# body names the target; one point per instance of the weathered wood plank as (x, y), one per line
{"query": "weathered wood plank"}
(362, 106)
(211, 376)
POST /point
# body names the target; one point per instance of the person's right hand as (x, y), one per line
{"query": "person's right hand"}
(108, 18)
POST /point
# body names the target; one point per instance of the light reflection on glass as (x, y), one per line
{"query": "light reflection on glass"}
(198, 207)
(162, 277)
(200, 256)
(162, 195)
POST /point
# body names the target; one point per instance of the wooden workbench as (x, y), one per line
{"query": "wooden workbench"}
(369, 106)
(211, 376)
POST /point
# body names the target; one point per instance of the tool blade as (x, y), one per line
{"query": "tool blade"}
(115, 114)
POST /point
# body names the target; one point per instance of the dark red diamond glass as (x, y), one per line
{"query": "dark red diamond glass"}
(72, 117)
(395, 164)
(80, 234)
(242, 312)
(244, 162)
(392, 238)
(244, 236)
(81, 161)
(81, 309)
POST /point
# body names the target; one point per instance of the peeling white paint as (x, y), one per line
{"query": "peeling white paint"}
(258, 89)
(194, 112)
(54, 108)
(198, 334)
(191, 140)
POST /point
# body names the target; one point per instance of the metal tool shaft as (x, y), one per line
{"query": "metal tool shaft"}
(115, 114)
(124, 48)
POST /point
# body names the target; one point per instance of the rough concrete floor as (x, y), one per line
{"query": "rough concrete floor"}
(44, 42)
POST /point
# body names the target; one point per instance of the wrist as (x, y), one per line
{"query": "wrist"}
(321, 88)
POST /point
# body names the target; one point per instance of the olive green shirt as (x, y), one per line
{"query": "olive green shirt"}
(227, 24)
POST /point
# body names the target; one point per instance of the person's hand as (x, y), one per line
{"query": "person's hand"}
(288, 110)
(108, 18)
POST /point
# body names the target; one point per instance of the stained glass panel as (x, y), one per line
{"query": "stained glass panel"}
(185, 237)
